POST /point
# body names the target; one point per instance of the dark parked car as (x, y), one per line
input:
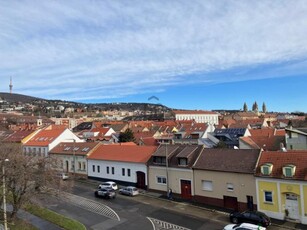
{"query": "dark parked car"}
(105, 193)
(252, 217)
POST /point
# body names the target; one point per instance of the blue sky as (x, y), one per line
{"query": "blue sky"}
(204, 54)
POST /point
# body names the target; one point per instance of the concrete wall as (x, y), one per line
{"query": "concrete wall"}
(175, 175)
(243, 185)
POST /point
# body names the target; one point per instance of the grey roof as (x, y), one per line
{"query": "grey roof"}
(187, 151)
(165, 149)
(228, 160)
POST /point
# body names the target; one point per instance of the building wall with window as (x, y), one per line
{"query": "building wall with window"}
(217, 188)
(281, 182)
(70, 164)
(296, 139)
(275, 196)
(121, 172)
(175, 175)
(198, 116)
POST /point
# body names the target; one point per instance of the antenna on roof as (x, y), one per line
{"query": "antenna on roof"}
(11, 86)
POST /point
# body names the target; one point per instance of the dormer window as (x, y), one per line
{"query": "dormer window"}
(289, 170)
(266, 169)
(182, 161)
(159, 160)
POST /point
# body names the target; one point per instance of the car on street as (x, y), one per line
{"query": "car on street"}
(243, 226)
(252, 217)
(108, 184)
(63, 176)
(107, 193)
(129, 190)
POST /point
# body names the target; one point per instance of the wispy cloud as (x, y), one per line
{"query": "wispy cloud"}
(100, 49)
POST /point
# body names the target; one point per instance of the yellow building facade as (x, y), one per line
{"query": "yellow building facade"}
(281, 199)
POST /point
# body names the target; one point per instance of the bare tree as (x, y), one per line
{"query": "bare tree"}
(26, 176)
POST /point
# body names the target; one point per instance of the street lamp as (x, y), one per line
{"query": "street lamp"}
(4, 195)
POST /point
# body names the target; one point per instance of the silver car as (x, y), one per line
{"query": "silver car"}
(129, 190)
(108, 184)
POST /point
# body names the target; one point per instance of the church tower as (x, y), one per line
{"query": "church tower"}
(11, 86)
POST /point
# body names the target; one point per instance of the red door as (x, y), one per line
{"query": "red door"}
(231, 202)
(186, 191)
(140, 178)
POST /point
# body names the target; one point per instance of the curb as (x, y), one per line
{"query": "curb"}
(209, 210)
(144, 193)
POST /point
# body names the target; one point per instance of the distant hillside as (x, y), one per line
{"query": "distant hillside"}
(15, 98)
(11, 98)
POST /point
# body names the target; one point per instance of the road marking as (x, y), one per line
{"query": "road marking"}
(160, 224)
(91, 205)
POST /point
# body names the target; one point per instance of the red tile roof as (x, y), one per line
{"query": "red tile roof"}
(18, 136)
(281, 159)
(135, 154)
(250, 142)
(71, 148)
(46, 136)
(268, 139)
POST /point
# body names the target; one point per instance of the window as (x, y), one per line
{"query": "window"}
(84, 166)
(79, 163)
(268, 197)
(289, 170)
(266, 169)
(183, 161)
(207, 185)
(108, 170)
(123, 171)
(161, 180)
(113, 171)
(230, 187)
(98, 168)
(159, 160)
(129, 172)
(93, 168)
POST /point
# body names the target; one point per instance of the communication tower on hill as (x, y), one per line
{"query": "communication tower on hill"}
(11, 86)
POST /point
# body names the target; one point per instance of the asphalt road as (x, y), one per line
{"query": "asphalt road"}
(130, 213)
(123, 212)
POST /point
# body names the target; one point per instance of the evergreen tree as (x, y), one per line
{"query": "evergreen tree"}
(255, 107)
(220, 145)
(245, 109)
(126, 136)
(263, 107)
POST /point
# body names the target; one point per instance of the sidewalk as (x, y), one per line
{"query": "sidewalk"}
(194, 209)
(37, 221)
(34, 220)
(213, 214)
